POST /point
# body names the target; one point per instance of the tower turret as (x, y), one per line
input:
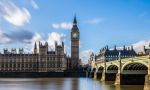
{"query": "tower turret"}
(131, 47)
(107, 48)
(46, 45)
(35, 48)
(63, 44)
(115, 47)
(124, 47)
(75, 20)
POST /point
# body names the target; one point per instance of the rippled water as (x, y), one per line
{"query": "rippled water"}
(63, 84)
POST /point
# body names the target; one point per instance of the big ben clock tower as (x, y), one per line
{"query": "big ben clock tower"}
(75, 36)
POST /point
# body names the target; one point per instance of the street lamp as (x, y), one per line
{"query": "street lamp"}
(149, 62)
(119, 62)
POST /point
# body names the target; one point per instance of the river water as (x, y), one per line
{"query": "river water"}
(63, 84)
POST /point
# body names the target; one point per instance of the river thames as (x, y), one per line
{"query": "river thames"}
(63, 84)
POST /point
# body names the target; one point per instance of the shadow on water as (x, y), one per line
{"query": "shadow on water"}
(111, 86)
(64, 84)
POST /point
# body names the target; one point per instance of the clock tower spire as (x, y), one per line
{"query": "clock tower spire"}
(75, 37)
(75, 20)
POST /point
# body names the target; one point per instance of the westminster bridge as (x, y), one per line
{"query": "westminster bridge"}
(134, 70)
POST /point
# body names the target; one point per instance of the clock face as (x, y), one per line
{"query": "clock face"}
(75, 35)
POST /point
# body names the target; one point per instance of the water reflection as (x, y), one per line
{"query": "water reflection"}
(64, 84)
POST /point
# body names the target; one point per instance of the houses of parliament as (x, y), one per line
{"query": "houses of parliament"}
(43, 60)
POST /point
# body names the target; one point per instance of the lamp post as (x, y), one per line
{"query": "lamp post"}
(119, 62)
(149, 63)
(118, 75)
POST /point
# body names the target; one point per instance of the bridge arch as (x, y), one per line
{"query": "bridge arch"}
(111, 72)
(89, 69)
(134, 73)
(100, 69)
(134, 66)
(94, 69)
(112, 69)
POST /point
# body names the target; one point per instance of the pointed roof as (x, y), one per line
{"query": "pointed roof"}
(75, 20)
(115, 48)
(75, 27)
(39, 43)
(124, 47)
(131, 47)
(46, 43)
(35, 45)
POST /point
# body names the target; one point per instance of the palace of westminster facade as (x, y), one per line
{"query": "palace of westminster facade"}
(43, 60)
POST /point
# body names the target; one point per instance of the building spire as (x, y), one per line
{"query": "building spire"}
(35, 49)
(131, 47)
(107, 47)
(124, 47)
(115, 47)
(39, 44)
(74, 20)
(35, 45)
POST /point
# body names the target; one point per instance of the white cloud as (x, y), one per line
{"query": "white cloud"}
(62, 25)
(85, 55)
(95, 21)
(4, 39)
(54, 36)
(67, 50)
(13, 14)
(16, 38)
(34, 4)
(140, 45)
(37, 37)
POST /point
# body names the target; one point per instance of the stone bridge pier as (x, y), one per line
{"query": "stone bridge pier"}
(95, 74)
(98, 73)
(90, 72)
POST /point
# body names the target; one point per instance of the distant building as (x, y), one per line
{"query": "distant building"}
(147, 50)
(107, 54)
(44, 61)
(68, 63)
(91, 61)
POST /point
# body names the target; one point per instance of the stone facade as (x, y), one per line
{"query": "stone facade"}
(106, 55)
(40, 61)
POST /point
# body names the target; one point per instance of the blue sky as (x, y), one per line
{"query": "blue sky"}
(101, 22)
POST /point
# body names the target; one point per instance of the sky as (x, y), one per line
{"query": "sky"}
(101, 23)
